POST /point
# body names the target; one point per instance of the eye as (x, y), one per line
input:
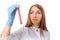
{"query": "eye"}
(38, 12)
(31, 12)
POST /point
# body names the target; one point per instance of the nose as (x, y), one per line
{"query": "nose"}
(34, 15)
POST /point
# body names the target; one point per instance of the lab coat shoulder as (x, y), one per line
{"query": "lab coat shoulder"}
(16, 35)
(46, 34)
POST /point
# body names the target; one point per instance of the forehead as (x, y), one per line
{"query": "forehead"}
(35, 8)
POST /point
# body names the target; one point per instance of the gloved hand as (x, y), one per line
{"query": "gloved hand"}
(11, 14)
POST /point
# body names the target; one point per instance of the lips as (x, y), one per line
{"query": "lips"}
(34, 19)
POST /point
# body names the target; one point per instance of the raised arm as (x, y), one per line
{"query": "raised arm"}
(11, 16)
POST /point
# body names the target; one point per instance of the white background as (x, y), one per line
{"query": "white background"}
(52, 10)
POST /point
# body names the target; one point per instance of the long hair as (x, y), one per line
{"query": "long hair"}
(42, 24)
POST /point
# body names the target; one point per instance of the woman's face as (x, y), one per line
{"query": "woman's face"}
(35, 15)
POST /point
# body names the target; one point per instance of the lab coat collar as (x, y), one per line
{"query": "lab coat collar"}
(35, 29)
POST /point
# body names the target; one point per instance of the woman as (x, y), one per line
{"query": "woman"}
(35, 28)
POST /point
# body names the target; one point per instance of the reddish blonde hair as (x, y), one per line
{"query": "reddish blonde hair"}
(42, 24)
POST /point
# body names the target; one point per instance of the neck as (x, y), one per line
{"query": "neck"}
(37, 26)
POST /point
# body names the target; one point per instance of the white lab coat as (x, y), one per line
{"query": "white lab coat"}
(25, 33)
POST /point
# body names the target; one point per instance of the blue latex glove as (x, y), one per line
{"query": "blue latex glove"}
(11, 14)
